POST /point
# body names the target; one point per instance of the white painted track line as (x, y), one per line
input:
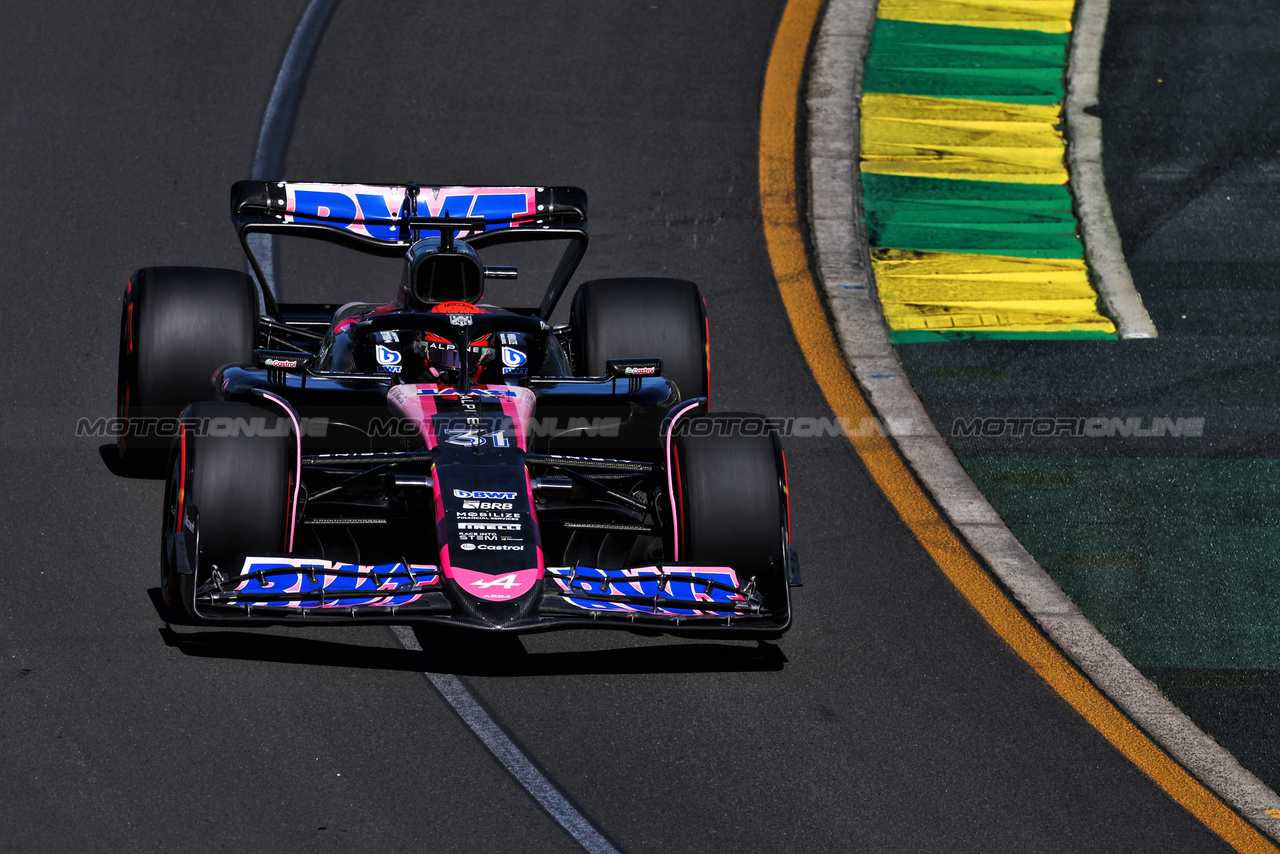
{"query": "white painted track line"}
(506, 752)
(281, 113)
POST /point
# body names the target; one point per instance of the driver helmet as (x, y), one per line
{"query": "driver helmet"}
(441, 356)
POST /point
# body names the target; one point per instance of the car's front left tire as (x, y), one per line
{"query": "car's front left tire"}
(230, 485)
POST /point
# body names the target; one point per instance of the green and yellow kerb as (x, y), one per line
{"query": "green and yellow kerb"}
(968, 214)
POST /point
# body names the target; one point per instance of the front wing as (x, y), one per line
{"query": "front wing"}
(675, 598)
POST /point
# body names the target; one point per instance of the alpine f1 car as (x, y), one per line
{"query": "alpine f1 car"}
(440, 458)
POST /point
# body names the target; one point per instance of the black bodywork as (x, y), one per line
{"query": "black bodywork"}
(376, 504)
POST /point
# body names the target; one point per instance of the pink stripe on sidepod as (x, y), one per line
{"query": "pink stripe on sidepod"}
(442, 536)
(533, 520)
(297, 476)
(671, 489)
(437, 495)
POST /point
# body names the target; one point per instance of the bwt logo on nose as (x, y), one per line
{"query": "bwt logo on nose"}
(376, 211)
(474, 493)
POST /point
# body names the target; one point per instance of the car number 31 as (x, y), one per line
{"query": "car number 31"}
(474, 438)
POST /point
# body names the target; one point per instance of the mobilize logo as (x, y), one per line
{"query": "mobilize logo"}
(463, 493)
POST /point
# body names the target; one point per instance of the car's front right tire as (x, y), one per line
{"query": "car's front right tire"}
(731, 500)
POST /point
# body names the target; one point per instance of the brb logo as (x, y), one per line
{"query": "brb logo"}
(375, 211)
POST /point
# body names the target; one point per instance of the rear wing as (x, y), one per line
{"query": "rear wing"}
(385, 219)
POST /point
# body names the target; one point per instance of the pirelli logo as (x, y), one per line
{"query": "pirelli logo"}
(488, 526)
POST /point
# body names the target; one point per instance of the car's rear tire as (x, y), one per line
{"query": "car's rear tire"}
(178, 325)
(731, 500)
(233, 481)
(642, 318)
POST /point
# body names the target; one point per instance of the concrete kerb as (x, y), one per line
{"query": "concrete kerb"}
(1107, 266)
(839, 243)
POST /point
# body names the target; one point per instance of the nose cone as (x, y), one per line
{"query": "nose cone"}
(496, 600)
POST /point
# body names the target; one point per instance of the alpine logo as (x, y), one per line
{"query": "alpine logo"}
(505, 581)
(496, 496)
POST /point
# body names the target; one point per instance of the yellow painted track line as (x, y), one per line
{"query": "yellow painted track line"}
(778, 115)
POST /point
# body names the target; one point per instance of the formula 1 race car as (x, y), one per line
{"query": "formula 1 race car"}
(441, 459)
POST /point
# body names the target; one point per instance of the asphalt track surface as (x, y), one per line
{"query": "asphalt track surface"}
(890, 718)
(1199, 213)
(1191, 134)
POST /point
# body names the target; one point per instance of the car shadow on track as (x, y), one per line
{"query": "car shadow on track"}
(465, 653)
(479, 654)
(149, 468)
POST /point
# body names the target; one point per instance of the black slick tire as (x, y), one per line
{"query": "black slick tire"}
(233, 479)
(643, 318)
(730, 493)
(178, 325)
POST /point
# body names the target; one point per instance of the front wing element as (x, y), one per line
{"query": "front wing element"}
(677, 598)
